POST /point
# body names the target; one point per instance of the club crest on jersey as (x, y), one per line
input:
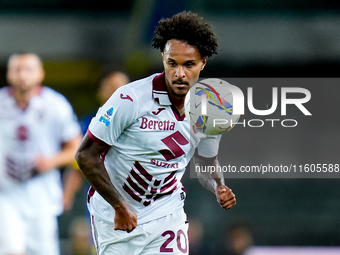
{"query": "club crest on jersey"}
(106, 118)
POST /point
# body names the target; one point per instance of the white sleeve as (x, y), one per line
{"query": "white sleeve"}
(119, 112)
(208, 146)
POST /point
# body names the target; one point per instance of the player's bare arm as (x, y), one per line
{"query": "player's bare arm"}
(93, 169)
(72, 182)
(215, 183)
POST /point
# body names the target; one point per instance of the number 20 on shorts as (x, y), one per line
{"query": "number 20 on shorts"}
(183, 247)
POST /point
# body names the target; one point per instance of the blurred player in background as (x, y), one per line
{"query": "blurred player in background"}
(110, 83)
(237, 239)
(137, 147)
(39, 133)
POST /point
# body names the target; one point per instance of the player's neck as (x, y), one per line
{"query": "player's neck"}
(177, 102)
(180, 110)
(23, 97)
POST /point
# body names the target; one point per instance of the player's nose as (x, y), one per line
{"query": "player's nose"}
(180, 72)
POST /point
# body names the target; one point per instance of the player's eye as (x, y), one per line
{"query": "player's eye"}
(172, 64)
(189, 64)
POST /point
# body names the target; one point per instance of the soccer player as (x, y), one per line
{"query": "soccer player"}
(137, 147)
(39, 133)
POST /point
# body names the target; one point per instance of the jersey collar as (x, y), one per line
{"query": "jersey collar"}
(10, 90)
(159, 92)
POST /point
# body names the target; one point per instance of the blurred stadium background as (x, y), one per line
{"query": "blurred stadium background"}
(81, 40)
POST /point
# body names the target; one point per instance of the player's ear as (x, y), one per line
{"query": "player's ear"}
(204, 62)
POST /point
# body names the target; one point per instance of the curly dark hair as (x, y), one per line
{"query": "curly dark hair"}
(186, 27)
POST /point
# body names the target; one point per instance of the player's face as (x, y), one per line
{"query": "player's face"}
(110, 84)
(25, 72)
(182, 65)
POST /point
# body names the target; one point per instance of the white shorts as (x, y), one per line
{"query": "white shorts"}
(166, 235)
(30, 236)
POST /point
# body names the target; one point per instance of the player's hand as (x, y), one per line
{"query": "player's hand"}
(125, 219)
(225, 197)
(43, 164)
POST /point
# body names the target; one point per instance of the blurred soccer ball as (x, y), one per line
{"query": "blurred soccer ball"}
(209, 107)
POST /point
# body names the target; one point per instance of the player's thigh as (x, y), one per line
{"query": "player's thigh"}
(116, 242)
(12, 229)
(42, 236)
(171, 237)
